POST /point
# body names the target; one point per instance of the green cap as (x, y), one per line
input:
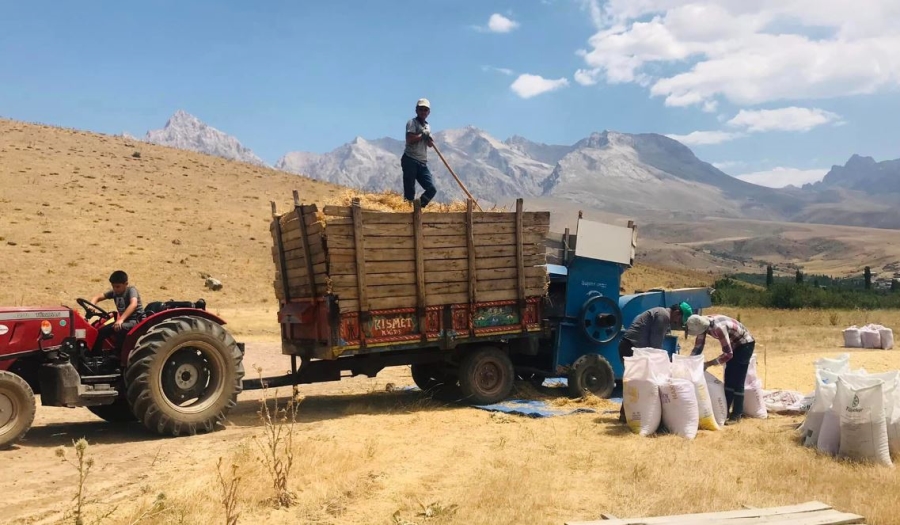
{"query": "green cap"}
(686, 311)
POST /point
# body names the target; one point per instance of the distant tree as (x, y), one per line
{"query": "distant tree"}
(867, 276)
(895, 285)
(799, 276)
(816, 282)
(770, 276)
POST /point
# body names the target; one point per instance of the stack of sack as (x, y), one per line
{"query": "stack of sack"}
(854, 414)
(869, 336)
(675, 395)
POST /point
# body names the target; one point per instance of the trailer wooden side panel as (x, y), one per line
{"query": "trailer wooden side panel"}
(376, 275)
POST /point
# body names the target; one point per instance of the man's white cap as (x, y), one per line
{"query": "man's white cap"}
(423, 102)
(697, 324)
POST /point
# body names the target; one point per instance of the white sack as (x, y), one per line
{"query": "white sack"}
(826, 388)
(679, 407)
(852, 338)
(648, 351)
(829, 439)
(716, 390)
(640, 398)
(887, 338)
(864, 434)
(691, 368)
(871, 338)
(837, 364)
(754, 403)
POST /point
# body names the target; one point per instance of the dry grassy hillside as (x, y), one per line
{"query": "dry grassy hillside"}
(78, 205)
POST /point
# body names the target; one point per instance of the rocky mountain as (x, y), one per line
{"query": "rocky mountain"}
(640, 175)
(488, 167)
(862, 174)
(617, 172)
(186, 131)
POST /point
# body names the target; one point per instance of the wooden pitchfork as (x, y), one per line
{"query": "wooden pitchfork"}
(461, 185)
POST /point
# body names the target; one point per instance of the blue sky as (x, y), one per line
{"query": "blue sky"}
(781, 90)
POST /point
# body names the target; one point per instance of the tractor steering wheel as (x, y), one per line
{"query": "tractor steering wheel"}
(91, 310)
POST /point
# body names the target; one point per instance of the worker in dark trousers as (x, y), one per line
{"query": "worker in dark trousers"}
(737, 349)
(414, 161)
(649, 330)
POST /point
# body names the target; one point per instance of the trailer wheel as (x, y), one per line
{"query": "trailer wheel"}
(486, 376)
(17, 408)
(118, 412)
(184, 376)
(428, 376)
(591, 373)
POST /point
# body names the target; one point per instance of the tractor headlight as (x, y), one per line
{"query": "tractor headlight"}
(46, 327)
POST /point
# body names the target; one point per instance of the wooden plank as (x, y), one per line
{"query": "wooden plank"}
(337, 211)
(293, 264)
(405, 229)
(310, 274)
(470, 247)
(315, 245)
(810, 506)
(520, 261)
(299, 276)
(420, 263)
(352, 305)
(347, 255)
(482, 263)
(296, 256)
(539, 217)
(407, 275)
(311, 217)
(439, 288)
(384, 243)
(279, 246)
(292, 228)
(356, 212)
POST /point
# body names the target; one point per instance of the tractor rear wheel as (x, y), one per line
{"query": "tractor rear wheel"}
(591, 374)
(17, 408)
(118, 412)
(486, 376)
(184, 376)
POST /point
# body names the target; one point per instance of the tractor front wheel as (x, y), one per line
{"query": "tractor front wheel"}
(184, 376)
(486, 376)
(17, 408)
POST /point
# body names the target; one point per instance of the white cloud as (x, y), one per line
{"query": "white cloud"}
(781, 177)
(498, 23)
(501, 70)
(587, 77)
(527, 86)
(701, 138)
(710, 106)
(747, 52)
(784, 119)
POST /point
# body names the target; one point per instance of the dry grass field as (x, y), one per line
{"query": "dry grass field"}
(365, 451)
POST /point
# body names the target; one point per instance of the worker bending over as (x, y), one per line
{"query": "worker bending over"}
(737, 349)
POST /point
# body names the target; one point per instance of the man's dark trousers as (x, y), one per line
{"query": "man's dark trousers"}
(415, 171)
(735, 376)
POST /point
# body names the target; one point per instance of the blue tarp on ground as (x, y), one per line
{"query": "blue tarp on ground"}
(534, 408)
(529, 408)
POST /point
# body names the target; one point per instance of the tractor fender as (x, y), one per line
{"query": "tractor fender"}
(149, 322)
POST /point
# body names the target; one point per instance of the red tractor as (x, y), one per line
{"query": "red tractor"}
(178, 371)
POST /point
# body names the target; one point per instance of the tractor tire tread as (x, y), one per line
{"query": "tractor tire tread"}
(137, 376)
(467, 373)
(30, 407)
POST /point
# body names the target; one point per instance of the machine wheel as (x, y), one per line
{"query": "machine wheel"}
(17, 408)
(593, 374)
(184, 376)
(486, 376)
(118, 412)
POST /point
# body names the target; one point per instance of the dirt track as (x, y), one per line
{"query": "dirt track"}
(37, 485)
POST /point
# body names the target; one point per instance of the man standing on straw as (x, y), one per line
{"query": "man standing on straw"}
(414, 161)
